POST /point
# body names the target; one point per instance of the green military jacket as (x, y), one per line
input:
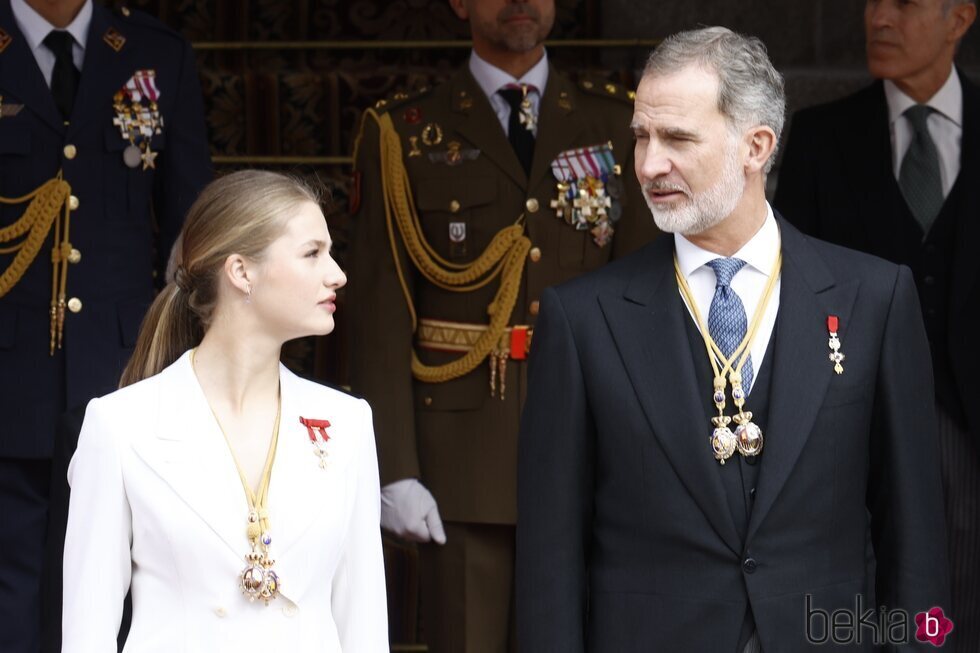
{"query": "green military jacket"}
(467, 185)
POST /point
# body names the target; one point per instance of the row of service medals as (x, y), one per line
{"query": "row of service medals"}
(588, 185)
(138, 118)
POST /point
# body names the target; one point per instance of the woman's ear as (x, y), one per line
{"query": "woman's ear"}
(236, 270)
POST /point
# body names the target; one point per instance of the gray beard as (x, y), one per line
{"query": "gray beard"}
(706, 209)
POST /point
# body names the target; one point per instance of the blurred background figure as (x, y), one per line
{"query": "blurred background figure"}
(102, 149)
(892, 170)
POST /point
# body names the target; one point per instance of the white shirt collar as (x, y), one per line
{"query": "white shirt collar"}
(491, 79)
(947, 101)
(35, 28)
(759, 253)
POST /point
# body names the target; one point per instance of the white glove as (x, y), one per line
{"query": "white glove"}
(409, 511)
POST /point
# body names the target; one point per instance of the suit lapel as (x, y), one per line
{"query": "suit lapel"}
(801, 370)
(558, 125)
(967, 226)
(21, 79)
(477, 123)
(189, 452)
(647, 324)
(294, 494)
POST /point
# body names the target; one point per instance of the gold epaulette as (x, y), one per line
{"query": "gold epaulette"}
(607, 89)
(385, 105)
(399, 98)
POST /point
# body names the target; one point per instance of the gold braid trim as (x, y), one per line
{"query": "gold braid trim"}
(504, 257)
(46, 202)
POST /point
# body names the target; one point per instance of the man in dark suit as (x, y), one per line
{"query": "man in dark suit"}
(892, 170)
(111, 105)
(632, 536)
(509, 144)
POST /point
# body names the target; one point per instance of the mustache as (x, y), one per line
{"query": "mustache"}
(510, 11)
(663, 184)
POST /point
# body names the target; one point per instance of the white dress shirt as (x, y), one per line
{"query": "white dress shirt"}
(945, 126)
(35, 28)
(749, 283)
(491, 79)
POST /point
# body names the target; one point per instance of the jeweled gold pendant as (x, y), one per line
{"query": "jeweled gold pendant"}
(723, 443)
(748, 439)
(258, 580)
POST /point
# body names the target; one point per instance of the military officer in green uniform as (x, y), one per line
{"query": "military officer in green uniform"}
(469, 199)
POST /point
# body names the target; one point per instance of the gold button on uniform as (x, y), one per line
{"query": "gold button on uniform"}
(532, 205)
(454, 206)
(534, 254)
(74, 256)
(75, 305)
(534, 307)
(427, 401)
(73, 203)
(70, 151)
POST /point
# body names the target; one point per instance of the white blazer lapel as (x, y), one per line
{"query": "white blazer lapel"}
(186, 448)
(302, 491)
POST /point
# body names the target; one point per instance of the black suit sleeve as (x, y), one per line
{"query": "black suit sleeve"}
(555, 490)
(184, 166)
(905, 500)
(796, 189)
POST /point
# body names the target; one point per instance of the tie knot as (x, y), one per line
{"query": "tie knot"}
(918, 114)
(725, 269)
(514, 94)
(59, 42)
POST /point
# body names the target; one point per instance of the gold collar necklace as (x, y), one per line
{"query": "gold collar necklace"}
(257, 580)
(747, 438)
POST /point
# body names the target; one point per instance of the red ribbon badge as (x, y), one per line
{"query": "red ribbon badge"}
(317, 430)
(836, 357)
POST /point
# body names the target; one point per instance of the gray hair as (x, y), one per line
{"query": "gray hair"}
(949, 4)
(750, 92)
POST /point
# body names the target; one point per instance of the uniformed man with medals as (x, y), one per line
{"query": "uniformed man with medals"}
(102, 149)
(469, 199)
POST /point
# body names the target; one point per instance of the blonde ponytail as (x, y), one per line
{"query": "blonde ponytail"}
(169, 329)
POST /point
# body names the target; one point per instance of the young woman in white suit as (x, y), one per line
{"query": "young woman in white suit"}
(239, 503)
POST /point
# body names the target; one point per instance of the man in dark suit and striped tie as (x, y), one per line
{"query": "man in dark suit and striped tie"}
(892, 170)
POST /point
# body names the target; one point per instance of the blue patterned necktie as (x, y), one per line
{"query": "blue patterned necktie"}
(727, 323)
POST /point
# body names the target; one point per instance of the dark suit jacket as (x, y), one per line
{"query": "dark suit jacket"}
(625, 539)
(836, 182)
(126, 221)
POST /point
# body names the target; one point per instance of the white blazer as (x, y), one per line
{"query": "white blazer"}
(157, 506)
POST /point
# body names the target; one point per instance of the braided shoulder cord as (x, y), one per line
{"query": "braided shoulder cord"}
(46, 202)
(504, 257)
